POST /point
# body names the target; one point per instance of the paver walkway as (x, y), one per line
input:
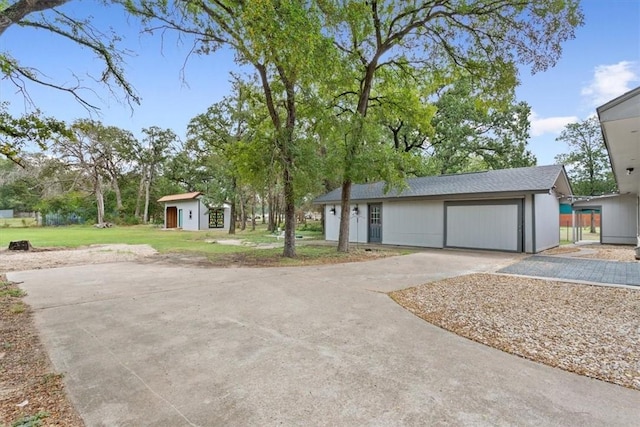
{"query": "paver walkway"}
(589, 270)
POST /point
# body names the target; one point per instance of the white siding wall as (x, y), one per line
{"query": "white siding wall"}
(547, 208)
(227, 217)
(483, 226)
(357, 224)
(204, 216)
(199, 215)
(528, 223)
(415, 223)
(189, 214)
(331, 223)
(618, 220)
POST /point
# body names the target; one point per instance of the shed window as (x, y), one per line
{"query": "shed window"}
(216, 218)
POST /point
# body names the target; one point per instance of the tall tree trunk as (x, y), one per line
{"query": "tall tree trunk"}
(232, 217)
(147, 192)
(99, 198)
(232, 211)
(116, 189)
(243, 213)
(262, 208)
(139, 196)
(272, 212)
(343, 237)
(147, 196)
(593, 222)
(363, 105)
(289, 213)
(253, 212)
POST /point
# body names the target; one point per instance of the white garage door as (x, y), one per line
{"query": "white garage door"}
(486, 225)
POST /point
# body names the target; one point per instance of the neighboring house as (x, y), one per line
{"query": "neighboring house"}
(620, 123)
(188, 212)
(507, 210)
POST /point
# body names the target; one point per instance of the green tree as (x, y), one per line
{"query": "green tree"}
(151, 155)
(82, 153)
(472, 133)
(114, 145)
(18, 187)
(97, 154)
(37, 182)
(587, 161)
(216, 137)
(44, 15)
(282, 41)
(32, 128)
(485, 40)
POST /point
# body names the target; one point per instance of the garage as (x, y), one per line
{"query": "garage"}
(510, 210)
(494, 225)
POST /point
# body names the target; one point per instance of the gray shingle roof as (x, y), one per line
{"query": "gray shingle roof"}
(524, 180)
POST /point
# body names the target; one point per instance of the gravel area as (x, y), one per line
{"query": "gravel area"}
(590, 330)
(595, 251)
(613, 253)
(561, 250)
(56, 257)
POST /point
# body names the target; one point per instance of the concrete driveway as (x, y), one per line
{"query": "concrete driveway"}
(161, 345)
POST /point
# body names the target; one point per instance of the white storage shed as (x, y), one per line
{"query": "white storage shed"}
(188, 212)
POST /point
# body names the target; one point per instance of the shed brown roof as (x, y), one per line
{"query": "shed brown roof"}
(183, 196)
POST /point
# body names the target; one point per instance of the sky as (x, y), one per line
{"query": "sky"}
(601, 63)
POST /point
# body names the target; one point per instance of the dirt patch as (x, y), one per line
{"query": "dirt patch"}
(612, 253)
(590, 330)
(29, 388)
(269, 257)
(595, 251)
(56, 257)
(561, 250)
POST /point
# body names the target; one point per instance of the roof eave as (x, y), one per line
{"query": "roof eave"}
(440, 196)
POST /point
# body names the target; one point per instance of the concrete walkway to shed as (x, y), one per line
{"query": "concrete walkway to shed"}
(585, 270)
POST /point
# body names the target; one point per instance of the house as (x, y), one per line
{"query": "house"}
(188, 212)
(512, 210)
(620, 123)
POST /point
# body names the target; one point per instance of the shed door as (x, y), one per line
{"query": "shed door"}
(375, 223)
(172, 217)
(494, 225)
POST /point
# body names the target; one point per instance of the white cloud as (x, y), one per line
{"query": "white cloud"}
(610, 81)
(543, 125)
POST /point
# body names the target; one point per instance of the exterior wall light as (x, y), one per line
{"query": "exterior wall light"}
(333, 210)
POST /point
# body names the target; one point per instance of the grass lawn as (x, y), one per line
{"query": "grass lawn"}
(192, 242)
(162, 240)
(17, 222)
(566, 234)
